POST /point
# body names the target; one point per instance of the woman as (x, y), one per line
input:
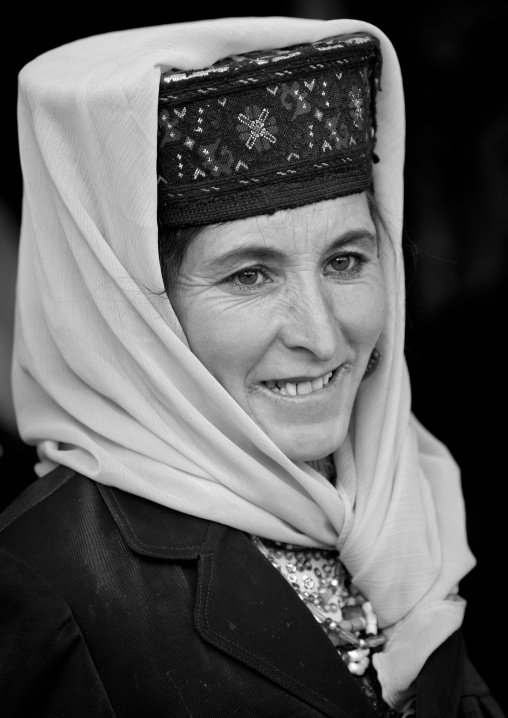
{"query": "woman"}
(258, 408)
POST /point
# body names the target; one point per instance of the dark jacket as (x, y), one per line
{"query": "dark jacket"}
(114, 606)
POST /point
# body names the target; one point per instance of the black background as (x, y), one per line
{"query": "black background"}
(454, 63)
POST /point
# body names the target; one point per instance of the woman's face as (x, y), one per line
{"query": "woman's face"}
(284, 311)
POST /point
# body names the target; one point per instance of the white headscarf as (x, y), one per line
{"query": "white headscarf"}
(105, 383)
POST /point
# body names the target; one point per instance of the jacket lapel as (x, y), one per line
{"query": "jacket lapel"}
(247, 609)
(244, 607)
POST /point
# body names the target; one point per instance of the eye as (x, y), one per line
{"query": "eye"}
(343, 263)
(345, 266)
(249, 277)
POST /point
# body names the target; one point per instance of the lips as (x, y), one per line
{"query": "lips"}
(298, 388)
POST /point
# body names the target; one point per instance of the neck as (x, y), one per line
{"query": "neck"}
(325, 466)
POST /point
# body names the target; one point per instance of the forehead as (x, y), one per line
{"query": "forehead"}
(308, 227)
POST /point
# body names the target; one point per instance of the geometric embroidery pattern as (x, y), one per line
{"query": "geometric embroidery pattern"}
(251, 134)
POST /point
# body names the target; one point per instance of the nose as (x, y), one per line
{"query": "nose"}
(311, 322)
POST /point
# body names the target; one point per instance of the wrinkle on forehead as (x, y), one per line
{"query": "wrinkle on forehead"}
(303, 221)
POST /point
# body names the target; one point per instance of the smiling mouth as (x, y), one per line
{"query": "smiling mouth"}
(298, 388)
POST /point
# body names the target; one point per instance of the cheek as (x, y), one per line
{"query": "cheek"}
(227, 337)
(362, 313)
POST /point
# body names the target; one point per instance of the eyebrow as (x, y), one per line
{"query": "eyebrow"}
(261, 253)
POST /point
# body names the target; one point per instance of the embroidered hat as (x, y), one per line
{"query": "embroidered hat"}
(266, 131)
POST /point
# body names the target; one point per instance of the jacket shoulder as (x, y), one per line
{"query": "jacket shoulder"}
(38, 491)
(46, 668)
(64, 518)
(55, 516)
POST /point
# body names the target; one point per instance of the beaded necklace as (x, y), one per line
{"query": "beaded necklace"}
(346, 616)
(324, 585)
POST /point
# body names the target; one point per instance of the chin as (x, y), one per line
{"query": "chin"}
(309, 443)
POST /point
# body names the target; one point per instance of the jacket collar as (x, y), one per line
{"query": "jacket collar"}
(244, 607)
(153, 530)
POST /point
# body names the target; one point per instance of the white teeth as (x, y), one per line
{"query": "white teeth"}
(290, 388)
(304, 387)
(317, 384)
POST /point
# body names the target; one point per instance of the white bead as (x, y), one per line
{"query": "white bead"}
(358, 654)
(358, 669)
